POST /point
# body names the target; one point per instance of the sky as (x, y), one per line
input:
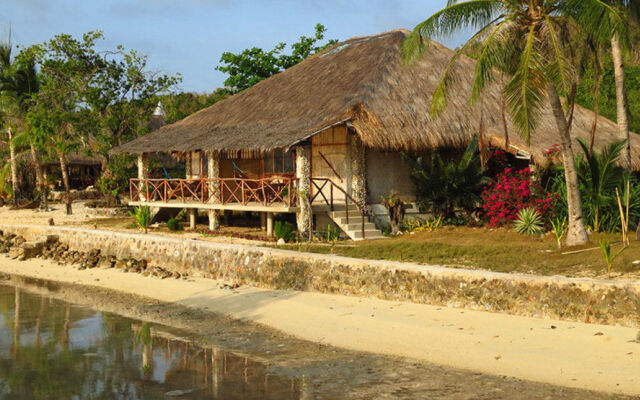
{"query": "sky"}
(189, 36)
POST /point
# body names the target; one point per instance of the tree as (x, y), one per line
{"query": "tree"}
(59, 116)
(528, 39)
(252, 65)
(18, 83)
(121, 96)
(610, 21)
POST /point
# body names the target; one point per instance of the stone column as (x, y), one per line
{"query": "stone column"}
(213, 172)
(269, 224)
(187, 162)
(303, 173)
(358, 170)
(193, 213)
(143, 173)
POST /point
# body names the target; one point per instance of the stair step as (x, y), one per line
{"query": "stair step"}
(368, 234)
(343, 214)
(355, 226)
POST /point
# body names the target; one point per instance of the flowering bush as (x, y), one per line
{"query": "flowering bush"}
(512, 191)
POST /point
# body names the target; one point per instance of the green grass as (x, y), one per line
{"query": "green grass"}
(498, 250)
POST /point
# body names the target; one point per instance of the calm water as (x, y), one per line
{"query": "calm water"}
(50, 349)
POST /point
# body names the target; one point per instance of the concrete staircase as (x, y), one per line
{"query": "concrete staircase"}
(354, 228)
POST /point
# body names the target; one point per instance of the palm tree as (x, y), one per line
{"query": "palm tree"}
(527, 39)
(600, 176)
(609, 20)
(18, 83)
(7, 106)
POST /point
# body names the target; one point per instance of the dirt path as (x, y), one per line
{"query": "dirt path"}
(584, 356)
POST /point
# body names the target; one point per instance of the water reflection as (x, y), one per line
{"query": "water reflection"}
(53, 350)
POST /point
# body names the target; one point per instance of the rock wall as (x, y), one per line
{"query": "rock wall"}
(584, 300)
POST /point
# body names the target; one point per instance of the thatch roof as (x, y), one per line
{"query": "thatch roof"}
(361, 80)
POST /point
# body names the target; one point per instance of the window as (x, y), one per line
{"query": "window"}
(278, 162)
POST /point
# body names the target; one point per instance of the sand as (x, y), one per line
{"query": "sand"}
(586, 356)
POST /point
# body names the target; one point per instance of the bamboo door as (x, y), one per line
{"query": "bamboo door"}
(330, 160)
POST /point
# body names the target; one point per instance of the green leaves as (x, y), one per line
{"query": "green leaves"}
(143, 217)
(529, 222)
(456, 16)
(525, 93)
(445, 184)
(609, 257)
(252, 65)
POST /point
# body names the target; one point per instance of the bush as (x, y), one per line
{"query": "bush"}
(529, 222)
(512, 191)
(143, 217)
(174, 224)
(285, 231)
(599, 175)
(445, 184)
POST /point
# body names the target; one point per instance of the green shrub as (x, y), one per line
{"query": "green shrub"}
(529, 222)
(143, 217)
(284, 230)
(609, 257)
(174, 224)
(446, 184)
(333, 234)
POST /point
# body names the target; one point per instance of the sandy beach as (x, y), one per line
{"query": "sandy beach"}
(584, 356)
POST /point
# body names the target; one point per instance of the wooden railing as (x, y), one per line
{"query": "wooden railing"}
(321, 183)
(266, 191)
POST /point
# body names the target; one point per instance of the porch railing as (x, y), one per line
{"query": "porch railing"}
(321, 183)
(265, 191)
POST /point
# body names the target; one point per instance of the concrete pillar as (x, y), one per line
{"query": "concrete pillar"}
(269, 224)
(213, 173)
(193, 213)
(358, 170)
(303, 173)
(143, 173)
(263, 221)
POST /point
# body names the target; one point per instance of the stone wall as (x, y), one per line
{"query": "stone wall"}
(584, 300)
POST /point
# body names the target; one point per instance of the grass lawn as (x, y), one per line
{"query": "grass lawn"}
(494, 249)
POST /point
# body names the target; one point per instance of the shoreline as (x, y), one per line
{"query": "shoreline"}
(571, 354)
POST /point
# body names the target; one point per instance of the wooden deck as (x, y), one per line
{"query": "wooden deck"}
(251, 206)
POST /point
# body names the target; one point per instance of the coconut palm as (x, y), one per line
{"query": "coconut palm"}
(528, 40)
(18, 82)
(609, 20)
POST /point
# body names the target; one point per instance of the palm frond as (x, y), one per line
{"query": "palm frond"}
(456, 16)
(524, 94)
(598, 17)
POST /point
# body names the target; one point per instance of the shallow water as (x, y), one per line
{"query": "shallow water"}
(50, 349)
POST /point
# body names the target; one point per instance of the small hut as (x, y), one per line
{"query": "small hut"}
(324, 138)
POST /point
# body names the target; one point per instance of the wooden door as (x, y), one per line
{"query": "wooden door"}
(330, 160)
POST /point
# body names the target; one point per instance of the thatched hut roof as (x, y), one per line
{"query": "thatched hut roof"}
(361, 80)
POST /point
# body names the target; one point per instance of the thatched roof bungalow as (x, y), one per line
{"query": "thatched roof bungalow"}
(352, 108)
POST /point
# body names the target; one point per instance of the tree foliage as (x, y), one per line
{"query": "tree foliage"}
(250, 66)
